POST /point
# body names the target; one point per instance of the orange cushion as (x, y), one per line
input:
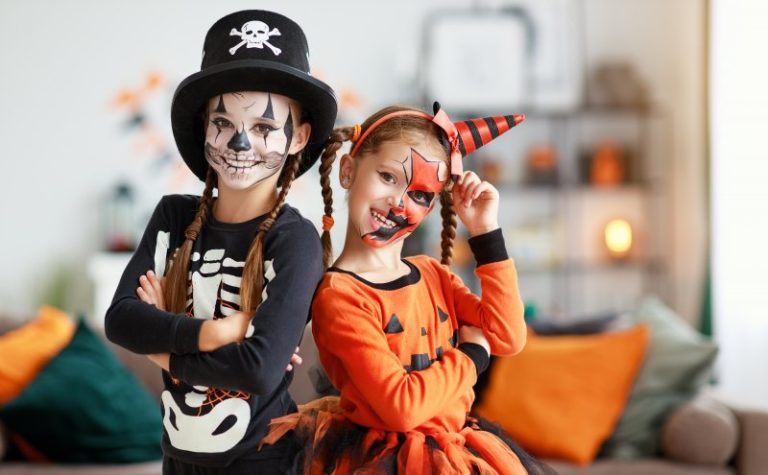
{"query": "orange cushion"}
(27, 349)
(562, 395)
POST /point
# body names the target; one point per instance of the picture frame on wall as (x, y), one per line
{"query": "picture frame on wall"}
(524, 56)
(478, 60)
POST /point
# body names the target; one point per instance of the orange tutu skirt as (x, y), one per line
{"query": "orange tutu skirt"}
(332, 444)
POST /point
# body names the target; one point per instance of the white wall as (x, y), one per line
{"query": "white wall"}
(63, 61)
(739, 104)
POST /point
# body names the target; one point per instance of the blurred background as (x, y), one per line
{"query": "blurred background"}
(638, 171)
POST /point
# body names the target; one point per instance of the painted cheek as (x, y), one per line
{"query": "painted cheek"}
(415, 213)
(217, 136)
(272, 142)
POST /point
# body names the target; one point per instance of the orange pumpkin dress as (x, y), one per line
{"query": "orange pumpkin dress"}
(405, 386)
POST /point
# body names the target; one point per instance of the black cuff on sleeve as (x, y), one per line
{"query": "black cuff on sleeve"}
(187, 333)
(489, 247)
(477, 354)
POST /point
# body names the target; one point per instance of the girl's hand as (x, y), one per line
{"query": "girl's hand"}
(162, 360)
(217, 333)
(470, 334)
(151, 290)
(476, 203)
(295, 360)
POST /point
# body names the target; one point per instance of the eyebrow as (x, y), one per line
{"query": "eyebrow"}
(394, 165)
(248, 118)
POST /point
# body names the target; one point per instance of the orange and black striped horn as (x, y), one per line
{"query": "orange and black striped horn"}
(475, 133)
(466, 136)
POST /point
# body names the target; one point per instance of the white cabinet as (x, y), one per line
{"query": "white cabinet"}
(105, 270)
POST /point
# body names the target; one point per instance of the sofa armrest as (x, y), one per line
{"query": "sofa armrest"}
(752, 452)
(702, 431)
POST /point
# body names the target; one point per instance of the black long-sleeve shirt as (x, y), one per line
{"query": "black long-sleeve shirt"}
(216, 405)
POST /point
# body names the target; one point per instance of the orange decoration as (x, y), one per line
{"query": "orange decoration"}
(26, 350)
(607, 165)
(562, 396)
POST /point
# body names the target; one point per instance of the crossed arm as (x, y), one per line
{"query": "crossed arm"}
(213, 334)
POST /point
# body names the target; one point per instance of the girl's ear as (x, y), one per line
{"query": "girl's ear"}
(346, 171)
(301, 135)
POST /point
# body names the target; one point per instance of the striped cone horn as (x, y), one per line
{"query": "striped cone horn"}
(475, 133)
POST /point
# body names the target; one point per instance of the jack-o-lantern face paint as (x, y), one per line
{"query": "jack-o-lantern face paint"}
(248, 136)
(402, 186)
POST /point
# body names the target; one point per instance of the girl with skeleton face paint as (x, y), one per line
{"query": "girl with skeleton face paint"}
(403, 339)
(249, 136)
(218, 292)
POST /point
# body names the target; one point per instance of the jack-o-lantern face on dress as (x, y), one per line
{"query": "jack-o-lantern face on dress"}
(414, 344)
(394, 191)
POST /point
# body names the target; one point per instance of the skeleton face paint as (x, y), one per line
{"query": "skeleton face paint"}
(394, 192)
(248, 136)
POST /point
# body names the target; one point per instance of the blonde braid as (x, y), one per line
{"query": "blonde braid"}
(253, 273)
(176, 282)
(334, 143)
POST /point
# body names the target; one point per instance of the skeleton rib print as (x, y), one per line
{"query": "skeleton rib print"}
(213, 292)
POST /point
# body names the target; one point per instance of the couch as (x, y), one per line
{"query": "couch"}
(751, 452)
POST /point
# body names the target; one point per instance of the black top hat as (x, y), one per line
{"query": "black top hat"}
(252, 50)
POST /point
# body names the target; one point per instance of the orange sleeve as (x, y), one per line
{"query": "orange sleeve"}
(500, 310)
(354, 351)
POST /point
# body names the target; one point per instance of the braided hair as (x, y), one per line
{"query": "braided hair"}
(175, 293)
(334, 143)
(253, 272)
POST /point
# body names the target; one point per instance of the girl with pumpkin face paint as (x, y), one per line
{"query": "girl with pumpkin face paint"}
(404, 340)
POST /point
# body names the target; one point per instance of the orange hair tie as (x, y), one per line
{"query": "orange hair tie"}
(327, 222)
(356, 132)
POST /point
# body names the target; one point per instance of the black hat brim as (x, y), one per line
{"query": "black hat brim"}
(317, 99)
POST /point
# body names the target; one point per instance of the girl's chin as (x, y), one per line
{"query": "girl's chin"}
(242, 181)
(377, 243)
(238, 182)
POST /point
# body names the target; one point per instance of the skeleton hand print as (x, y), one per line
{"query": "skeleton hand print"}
(255, 34)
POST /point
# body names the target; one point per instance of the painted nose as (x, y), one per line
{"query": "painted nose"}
(239, 142)
(397, 207)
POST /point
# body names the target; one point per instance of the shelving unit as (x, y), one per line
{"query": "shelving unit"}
(554, 231)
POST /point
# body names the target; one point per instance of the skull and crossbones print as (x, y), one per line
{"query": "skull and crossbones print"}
(255, 34)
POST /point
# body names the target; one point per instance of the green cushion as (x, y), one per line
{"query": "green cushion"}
(678, 362)
(86, 407)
